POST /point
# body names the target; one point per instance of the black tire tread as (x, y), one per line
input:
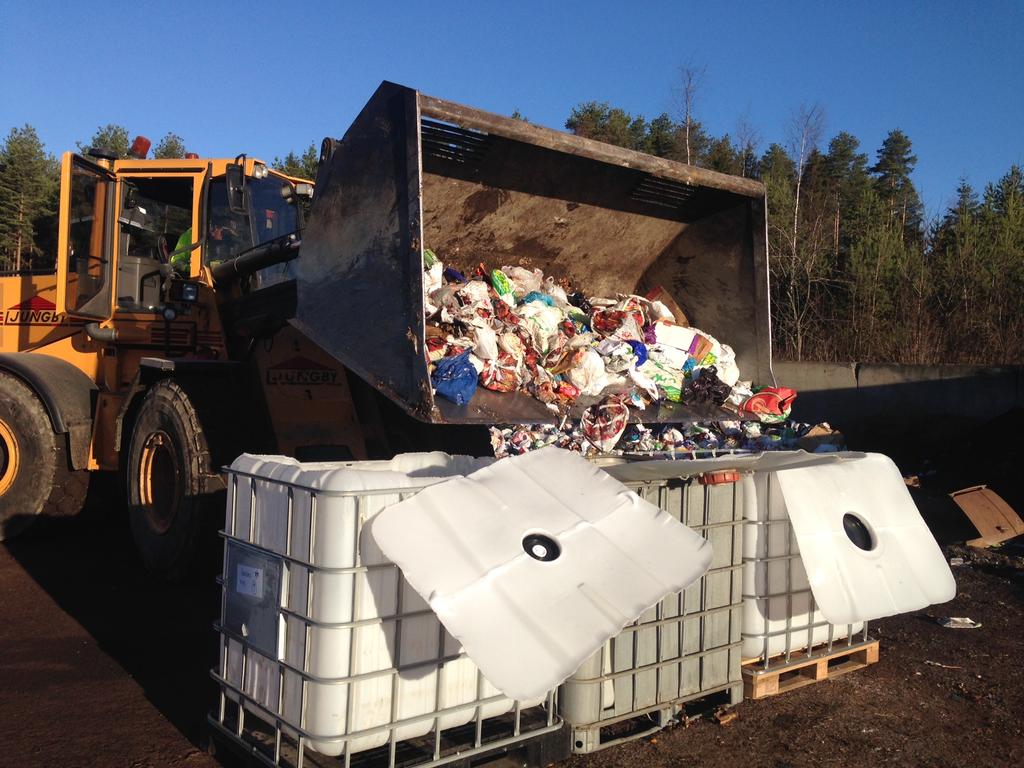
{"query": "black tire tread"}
(70, 486)
(173, 396)
(63, 489)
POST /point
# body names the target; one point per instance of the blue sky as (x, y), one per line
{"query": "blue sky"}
(266, 77)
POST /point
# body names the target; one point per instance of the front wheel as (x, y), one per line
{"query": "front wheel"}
(169, 469)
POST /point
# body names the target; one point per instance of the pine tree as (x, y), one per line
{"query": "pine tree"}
(1006, 194)
(300, 166)
(612, 125)
(662, 135)
(1001, 272)
(723, 156)
(847, 179)
(28, 185)
(892, 172)
(110, 137)
(171, 146)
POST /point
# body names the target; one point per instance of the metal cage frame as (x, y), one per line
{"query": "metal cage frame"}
(536, 724)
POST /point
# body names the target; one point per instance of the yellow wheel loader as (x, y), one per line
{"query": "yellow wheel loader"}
(158, 347)
(190, 315)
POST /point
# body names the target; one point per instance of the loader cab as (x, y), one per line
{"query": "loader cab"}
(121, 222)
(130, 226)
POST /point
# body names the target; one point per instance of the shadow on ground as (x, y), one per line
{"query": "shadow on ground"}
(160, 634)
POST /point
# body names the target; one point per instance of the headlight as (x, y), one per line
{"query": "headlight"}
(184, 291)
(259, 171)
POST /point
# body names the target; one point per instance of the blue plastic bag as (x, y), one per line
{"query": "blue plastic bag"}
(453, 275)
(538, 296)
(454, 378)
(640, 350)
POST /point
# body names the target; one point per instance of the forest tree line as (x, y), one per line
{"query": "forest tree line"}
(857, 270)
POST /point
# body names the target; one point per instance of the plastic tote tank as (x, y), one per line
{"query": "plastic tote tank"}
(320, 634)
(780, 615)
(684, 648)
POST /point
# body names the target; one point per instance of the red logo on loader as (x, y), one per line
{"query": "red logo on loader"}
(33, 311)
(301, 371)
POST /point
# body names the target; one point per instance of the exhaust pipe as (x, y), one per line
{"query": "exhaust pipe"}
(275, 252)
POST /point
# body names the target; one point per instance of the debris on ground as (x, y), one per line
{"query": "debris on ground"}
(724, 716)
(958, 622)
(995, 520)
(822, 438)
(941, 666)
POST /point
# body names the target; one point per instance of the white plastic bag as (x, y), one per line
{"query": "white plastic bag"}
(486, 341)
(542, 321)
(728, 371)
(524, 280)
(556, 292)
(509, 342)
(587, 373)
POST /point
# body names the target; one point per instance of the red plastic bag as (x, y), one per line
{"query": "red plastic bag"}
(770, 404)
(604, 423)
(502, 374)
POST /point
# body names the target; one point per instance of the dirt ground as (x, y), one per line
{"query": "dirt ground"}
(901, 711)
(101, 666)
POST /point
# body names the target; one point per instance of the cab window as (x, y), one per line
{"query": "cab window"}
(230, 233)
(270, 216)
(90, 202)
(154, 228)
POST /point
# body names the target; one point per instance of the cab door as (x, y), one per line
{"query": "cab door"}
(85, 239)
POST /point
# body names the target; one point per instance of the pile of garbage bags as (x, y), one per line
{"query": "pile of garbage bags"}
(514, 330)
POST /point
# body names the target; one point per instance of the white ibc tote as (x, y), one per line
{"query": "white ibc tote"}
(338, 647)
(780, 615)
(828, 547)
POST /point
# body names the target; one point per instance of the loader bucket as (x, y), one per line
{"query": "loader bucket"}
(416, 172)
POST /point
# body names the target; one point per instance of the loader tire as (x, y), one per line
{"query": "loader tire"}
(35, 474)
(171, 510)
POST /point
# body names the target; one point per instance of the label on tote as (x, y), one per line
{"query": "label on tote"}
(249, 581)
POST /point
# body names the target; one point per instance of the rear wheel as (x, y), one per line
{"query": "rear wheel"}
(169, 469)
(35, 475)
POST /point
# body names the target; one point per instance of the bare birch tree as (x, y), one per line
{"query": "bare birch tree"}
(691, 78)
(805, 128)
(747, 141)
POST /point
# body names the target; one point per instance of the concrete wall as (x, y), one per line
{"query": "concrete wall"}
(908, 411)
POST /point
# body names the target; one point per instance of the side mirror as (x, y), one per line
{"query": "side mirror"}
(234, 175)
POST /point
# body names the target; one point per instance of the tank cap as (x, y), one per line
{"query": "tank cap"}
(541, 547)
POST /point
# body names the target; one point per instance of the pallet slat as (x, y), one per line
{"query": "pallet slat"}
(806, 668)
(591, 738)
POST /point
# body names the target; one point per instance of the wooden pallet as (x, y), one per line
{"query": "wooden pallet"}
(805, 668)
(591, 738)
